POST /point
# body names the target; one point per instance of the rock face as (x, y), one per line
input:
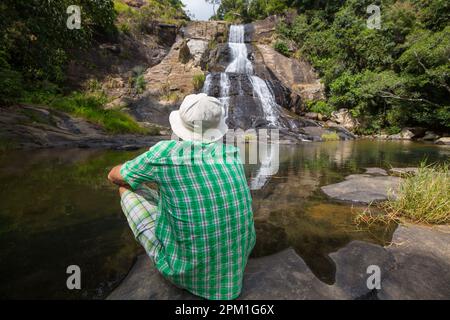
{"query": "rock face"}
(297, 75)
(415, 266)
(364, 188)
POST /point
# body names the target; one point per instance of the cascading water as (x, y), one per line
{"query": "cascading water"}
(240, 64)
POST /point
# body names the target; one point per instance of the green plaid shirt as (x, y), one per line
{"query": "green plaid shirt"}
(205, 221)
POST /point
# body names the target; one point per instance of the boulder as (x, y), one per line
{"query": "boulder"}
(443, 140)
(430, 136)
(197, 48)
(344, 118)
(404, 171)
(408, 134)
(312, 115)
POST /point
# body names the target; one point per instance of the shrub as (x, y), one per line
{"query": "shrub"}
(198, 81)
(282, 48)
(320, 107)
(332, 136)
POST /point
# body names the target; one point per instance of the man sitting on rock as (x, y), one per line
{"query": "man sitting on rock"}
(198, 227)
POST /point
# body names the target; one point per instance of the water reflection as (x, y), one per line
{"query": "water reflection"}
(57, 209)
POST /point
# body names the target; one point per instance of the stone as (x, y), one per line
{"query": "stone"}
(430, 136)
(197, 48)
(312, 115)
(408, 134)
(422, 264)
(344, 118)
(363, 188)
(414, 266)
(376, 171)
(114, 48)
(404, 171)
(443, 141)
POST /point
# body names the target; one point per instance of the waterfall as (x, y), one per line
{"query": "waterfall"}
(239, 53)
(267, 99)
(241, 64)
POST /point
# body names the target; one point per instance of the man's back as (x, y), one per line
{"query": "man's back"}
(205, 226)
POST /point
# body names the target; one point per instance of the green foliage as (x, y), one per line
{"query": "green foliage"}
(136, 21)
(333, 136)
(393, 77)
(320, 106)
(282, 48)
(198, 80)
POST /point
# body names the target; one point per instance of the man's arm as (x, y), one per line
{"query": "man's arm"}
(115, 177)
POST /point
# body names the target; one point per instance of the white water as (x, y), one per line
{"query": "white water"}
(267, 99)
(241, 64)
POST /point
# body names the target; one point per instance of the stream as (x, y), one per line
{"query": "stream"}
(58, 209)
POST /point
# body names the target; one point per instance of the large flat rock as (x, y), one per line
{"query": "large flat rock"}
(415, 266)
(363, 188)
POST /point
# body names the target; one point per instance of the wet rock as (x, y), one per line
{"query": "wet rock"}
(443, 140)
(363, 188)
(344, 118)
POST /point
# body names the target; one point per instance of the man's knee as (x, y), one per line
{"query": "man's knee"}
(123, 189)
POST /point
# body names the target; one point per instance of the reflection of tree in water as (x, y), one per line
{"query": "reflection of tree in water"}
(59, 209)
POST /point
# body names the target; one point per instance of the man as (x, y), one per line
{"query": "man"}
(198, 227)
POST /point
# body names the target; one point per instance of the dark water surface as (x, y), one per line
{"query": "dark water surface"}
(57, 209)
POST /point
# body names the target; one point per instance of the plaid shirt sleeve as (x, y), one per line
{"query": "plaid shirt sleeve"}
(144, 167)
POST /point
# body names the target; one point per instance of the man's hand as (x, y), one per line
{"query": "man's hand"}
(115, 177)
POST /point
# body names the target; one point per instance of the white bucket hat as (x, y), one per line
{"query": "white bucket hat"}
(200, 118)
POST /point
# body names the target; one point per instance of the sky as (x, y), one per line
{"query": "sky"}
(200, 9)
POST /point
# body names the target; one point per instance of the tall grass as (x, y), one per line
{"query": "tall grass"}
(198, 81)
(423, 197)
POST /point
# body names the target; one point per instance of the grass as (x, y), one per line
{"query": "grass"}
(90, 107)
(198, 81)
(332, 136)
(422, 198)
